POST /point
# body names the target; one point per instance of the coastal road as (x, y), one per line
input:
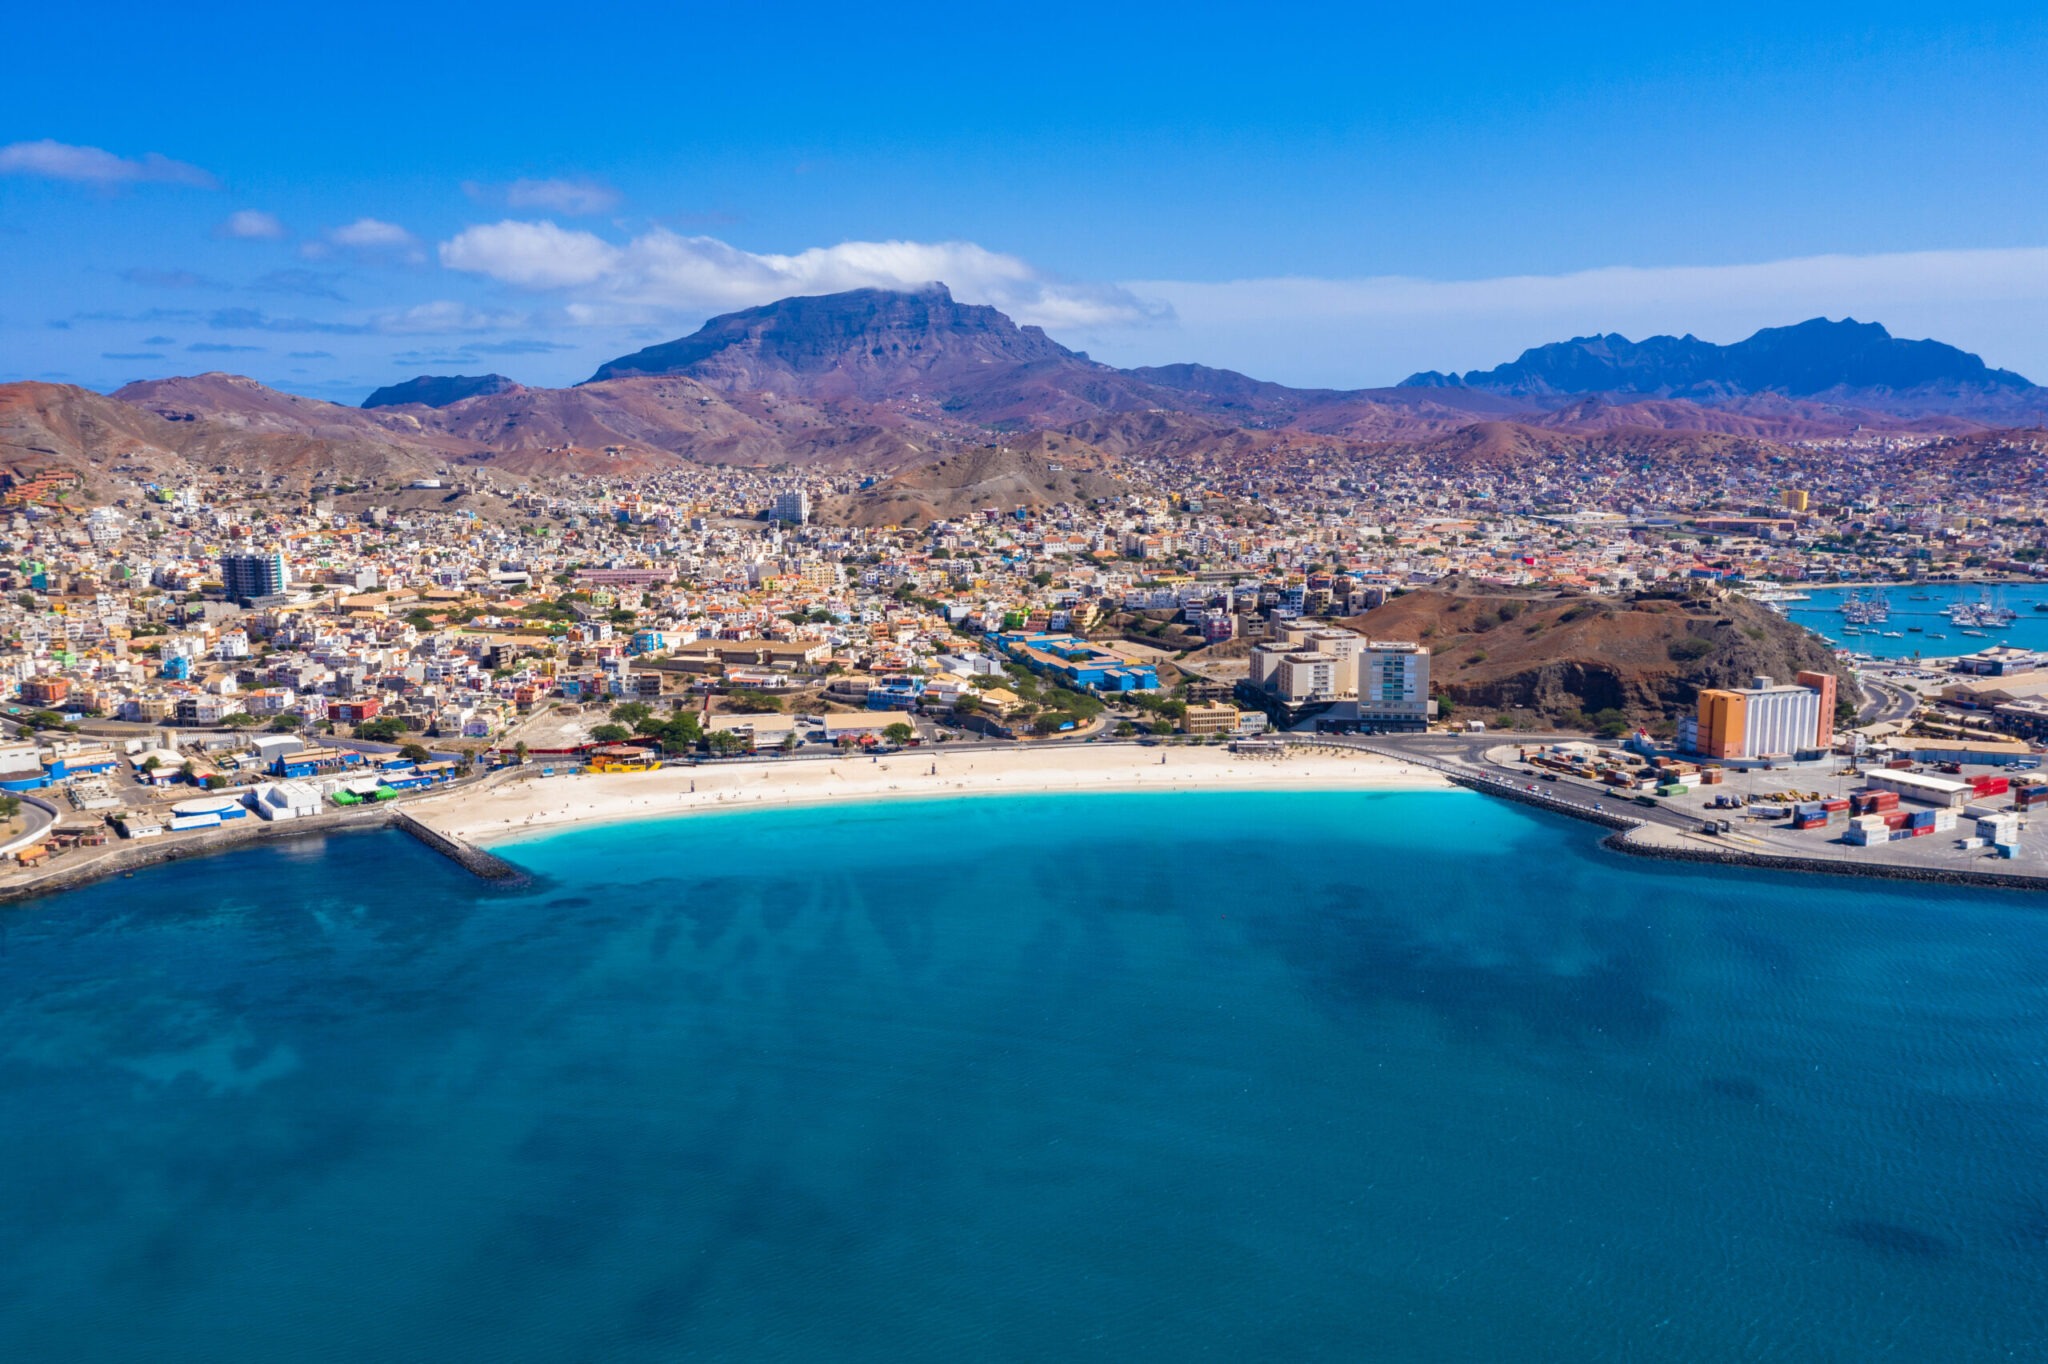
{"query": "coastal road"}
(1888, 701)
(1466, 755)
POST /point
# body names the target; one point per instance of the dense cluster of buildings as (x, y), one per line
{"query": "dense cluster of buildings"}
(453, 614)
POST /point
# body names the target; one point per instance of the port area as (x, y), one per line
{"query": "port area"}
(1758, 829)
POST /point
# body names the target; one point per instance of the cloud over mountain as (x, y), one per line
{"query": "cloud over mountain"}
(661, 271)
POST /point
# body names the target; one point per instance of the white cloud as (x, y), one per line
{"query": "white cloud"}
(576, 197)
(1376, 330)
(532, 255)
(662, 273)
(444, 316)
(252, 225)
(368, 239)
(53, 160)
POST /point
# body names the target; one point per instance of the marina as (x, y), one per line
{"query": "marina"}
(1892, 623)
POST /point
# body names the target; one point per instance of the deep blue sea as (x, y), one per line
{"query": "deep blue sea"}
(1937, 636)
(1230, 1077)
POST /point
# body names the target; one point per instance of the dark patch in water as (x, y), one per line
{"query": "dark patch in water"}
(1734, 1087)
(1893, 1239)
(1769, 953)
(1573, 978)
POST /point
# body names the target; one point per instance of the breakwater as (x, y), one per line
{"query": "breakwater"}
(121, 858)
(472, 859)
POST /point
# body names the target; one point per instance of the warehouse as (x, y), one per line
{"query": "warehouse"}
(1918, 786)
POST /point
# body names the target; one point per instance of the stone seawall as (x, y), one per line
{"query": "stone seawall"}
(1622, 842)
(121, 858)
(1541, 800)
(472, 859)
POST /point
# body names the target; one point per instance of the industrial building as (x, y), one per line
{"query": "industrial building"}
(1763, 721)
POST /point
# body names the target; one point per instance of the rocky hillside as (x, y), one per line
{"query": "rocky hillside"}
(115, 445)
(1565, 658)
(1035, 471)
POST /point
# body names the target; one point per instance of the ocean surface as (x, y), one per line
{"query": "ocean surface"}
(1937, 636)
(1151, 1077)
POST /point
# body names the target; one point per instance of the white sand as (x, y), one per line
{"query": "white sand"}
(527, 801)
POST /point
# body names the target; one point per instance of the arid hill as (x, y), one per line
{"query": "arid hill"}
(114, 445)
(879, 382)
(1036, 471)
(1563, 657)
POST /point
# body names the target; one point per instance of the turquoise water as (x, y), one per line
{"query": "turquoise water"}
(1391, 1077)
(2030, 631)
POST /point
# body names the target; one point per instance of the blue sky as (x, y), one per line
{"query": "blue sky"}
(333, 199)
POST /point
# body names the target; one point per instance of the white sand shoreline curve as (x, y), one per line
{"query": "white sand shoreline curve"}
(528, 803)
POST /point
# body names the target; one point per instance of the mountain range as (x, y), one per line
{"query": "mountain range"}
(1850, 360)
(883, 382)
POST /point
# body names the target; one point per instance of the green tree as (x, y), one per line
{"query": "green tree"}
(416, 752)
(725, 743)
(747, 701)
(899, 733)
(10, 806)
(241, 719)
(610, 734)
(632, 712)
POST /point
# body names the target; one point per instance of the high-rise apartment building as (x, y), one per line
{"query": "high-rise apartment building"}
(249, 578)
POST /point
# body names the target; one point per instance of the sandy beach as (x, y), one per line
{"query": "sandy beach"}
(527, 801)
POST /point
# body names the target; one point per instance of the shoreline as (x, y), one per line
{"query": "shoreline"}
(533, 804)
(529, 804)
(463, 825)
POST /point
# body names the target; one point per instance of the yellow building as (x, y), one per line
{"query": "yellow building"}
(1216, 718)
(1794, 499)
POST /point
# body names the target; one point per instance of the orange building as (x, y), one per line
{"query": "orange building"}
(1824, 683)
(1722, 718)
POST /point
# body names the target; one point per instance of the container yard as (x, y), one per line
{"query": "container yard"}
(1887, 810)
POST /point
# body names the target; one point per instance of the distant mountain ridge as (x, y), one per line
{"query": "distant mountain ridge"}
(884, 383)
(1814, 358)
(439, 390)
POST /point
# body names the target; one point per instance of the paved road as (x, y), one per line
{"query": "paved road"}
(1465, 754)
(1888, 701)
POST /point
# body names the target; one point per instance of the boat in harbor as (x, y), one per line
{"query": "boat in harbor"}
(1982, 614)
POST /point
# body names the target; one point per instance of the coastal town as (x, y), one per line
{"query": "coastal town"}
(190, 656)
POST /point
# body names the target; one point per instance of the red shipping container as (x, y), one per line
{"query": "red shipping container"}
(1898, 764)
(1895, 819)
(1993, 786)
(1836, 806)
(1923, 831)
